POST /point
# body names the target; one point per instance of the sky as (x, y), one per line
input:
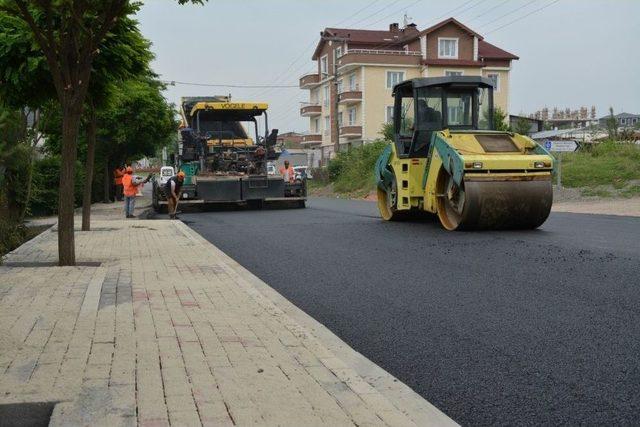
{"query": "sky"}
(572, 52)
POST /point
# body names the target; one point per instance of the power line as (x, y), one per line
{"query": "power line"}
(523, 16)
(306, 49)
(487, 11)
(175, 82)
(376, 12)
(394, 12)
(508, 13)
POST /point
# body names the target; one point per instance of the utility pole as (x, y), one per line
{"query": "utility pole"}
(335, 130)
(335, 134)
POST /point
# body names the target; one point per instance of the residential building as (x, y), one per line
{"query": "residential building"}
(350, 93)
(624, 120)
(289, 139)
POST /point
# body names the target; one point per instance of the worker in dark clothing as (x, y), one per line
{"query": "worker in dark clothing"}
(172, 192)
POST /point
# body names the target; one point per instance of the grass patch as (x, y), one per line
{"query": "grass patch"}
(352, 171)
(607, 163)
(12, 235)
(631, 191)
(596, 192)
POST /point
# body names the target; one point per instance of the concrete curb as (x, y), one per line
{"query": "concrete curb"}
(399, 394)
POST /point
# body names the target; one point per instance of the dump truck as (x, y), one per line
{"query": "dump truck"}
(222, 164)
(447, 159)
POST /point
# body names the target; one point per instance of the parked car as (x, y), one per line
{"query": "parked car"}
(166, 172)
(271, 169)
(302, 172)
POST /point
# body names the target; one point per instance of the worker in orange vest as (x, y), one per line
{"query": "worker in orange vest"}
(130, 184)
(287, 172)
(118, 173)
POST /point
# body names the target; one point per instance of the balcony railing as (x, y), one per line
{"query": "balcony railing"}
(355, 57)
(351, 131)
(350, 96)
(309, 80)
(310, 110)
(383, 52)
(312, 138)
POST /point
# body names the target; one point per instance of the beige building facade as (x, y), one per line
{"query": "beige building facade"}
(350, 93)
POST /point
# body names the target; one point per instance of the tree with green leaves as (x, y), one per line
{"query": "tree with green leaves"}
(69, 34)
(523, 126)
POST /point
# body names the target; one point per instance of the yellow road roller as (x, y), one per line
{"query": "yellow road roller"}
(447, 159)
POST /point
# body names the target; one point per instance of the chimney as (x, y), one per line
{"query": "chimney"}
(394, 28)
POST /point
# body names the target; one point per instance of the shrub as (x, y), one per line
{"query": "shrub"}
(46, 180)
(353, 170)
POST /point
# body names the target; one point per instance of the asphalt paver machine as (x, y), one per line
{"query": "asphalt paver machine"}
(223, 165)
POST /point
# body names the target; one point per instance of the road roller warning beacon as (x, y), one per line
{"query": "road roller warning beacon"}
(447, 159)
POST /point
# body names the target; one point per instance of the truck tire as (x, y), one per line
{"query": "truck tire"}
(155, 198)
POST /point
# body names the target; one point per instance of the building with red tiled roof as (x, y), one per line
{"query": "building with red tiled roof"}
(350, 93)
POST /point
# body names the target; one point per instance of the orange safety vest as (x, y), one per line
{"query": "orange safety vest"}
(130, 190)
(283, 171)
(118, 173)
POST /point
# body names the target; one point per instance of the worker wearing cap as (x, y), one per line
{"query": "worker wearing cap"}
(287, 172)
(172, 192)
(130, 183)
(118, 173)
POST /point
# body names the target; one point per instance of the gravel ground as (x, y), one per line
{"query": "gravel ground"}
(509, 328)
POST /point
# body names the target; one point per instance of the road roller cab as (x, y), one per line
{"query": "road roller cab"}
(447, 159)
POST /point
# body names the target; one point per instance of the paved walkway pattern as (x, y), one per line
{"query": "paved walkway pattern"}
(166, 332)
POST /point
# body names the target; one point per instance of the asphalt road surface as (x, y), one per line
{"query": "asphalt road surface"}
(531, 327)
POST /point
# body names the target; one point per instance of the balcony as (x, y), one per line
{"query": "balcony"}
(350, 96)
(351, 131)
(354, 57)
(308, 81)
(311, 139)
(310, 110)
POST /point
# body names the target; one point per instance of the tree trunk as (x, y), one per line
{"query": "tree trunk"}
(70, 124)
(91, 153)
(107, 183)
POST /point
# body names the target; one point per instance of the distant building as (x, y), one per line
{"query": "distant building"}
(623, 120)
(535, 125)
(290, 139)
(350, 92)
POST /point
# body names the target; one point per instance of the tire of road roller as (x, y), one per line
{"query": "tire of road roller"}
(496, 205)
(388, 203)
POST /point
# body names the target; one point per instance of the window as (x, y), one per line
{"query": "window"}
(393, 78)
(352, 116)
(495, 78)
(407, 118)
(325, 95)
(340, 86)
(389, 114)
(327, 125)
(340, 119)
(316, 123)
(447, 48)
(337, 53)
(324, 66)
(453, 73)
(352, 82)
(459, 109)
(429, 109)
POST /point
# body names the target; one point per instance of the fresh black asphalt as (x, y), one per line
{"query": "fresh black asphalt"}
(510, 328)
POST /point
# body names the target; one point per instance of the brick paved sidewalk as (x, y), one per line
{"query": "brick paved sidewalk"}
(167, 331)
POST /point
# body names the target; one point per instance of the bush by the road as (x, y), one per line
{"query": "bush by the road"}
(609, 163)
(352, 170)
(46, 179)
